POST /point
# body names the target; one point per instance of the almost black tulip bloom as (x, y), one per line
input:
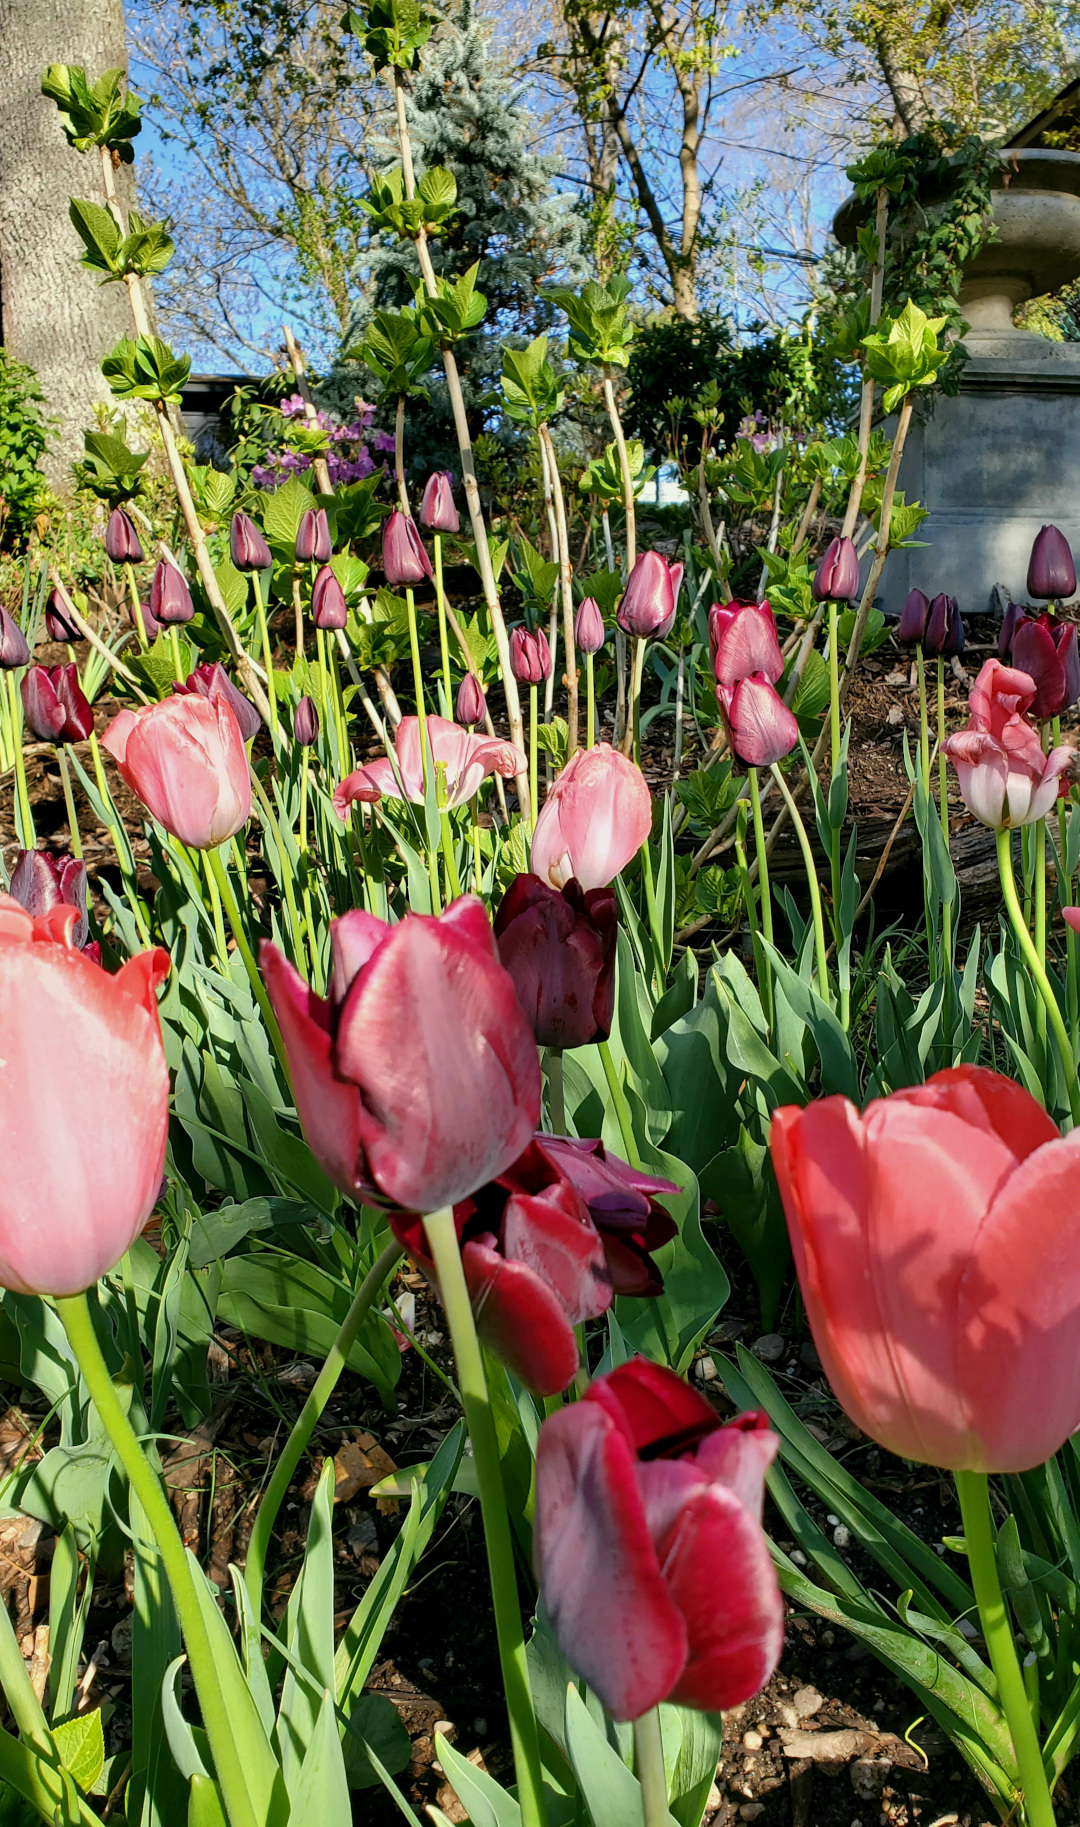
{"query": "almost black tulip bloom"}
(306, 723)
(944, 627)
(405, 559)
(559, 947)
(1051, 572)
(170, 598)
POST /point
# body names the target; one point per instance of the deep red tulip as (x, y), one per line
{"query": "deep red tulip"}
(743, 640)
(470, 701)
(13, 647)
(655, 1574)
(54, 705)
(210, 680)
(530, 656)
(313, 542)
(944, 627)
(1045, 647)
(84, 1104)
(121, 540)
(937, 1240)
(559, 947)
(913, 616)
(589, 626)
(1051, 572)
(594, 820)
(405, 560)
(306, 723)
(1005, 778)
(651, 597)
(247, 545)
(836, 579)
(418, 1080)
(437, 510)
(760, 727)
(185, 759)
(44, 879)
(170, 598)
(329, 610)
(466, 758)
(547, 1245)
(56, 621)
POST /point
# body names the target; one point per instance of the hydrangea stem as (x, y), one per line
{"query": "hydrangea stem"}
(649, 1765)
(441, 1234)
(1038, 971)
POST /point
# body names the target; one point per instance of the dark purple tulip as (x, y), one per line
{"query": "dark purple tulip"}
(1012, 616)
(54, 705)
(210, 680)
(651, 597)
(249, 549)
(559, 947)
(43, 879)
(530, 656)
(121, 540)
(306, 723)
(328, 606)
(469, 704)
(313, 542)
(913, 616)
(1045, 648)
(944, 627)
(1068, 646)
(437, 510)
(1051, 571)
(589, 626)
(170, 598)
(837, 577)
(405, 560)
(56, 620)
(13, 648)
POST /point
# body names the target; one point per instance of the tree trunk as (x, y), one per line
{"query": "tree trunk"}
(905, 86)
(55, 317)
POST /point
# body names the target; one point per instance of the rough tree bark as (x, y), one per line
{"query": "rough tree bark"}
(54, 315)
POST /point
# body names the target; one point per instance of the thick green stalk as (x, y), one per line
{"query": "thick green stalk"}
(418, 684)
(308, 1418)
(441, 1234)
(309, 918)
(556, 1092)
(269, 818)
(69, 805)
(635, 695)
(762, 855)
(946, 906)
(761, 966)
(534, 790)
(174, 647)
(654, 917)
(220, 939)
(924, 722)
(979, 1539)
(262, 593)
(74, 1312)
(444, 647)
(1038, 971)
(453, 880)
(834, 755)
(590, 718)
(136, 606)
(258, 988)
(649, 1767)
(474, 826)
(811, 881)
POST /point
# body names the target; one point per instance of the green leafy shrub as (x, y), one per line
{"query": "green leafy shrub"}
(24, 434)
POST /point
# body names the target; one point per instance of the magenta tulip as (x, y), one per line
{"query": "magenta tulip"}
(54, 705)
(210, 680)
(121, 540)
(185, 759)
(306, 723)
(836, 579)
(760, 727)
(405, 560)
(594, 820)
(170, 598)
(530, 656)
(1045, 647)
(589, 626)
(313, 542)
(247, 545)
(1051, 572)
(466, 758)
(559, 947)
(13, 647)
(418, 1080)
(329, 609)
(59, 627)
(470, 701)
(655, 1574)
(437, 510)
(944, 627)
(743, 641)
(1005, 778)
(44, 879)
(651, 597)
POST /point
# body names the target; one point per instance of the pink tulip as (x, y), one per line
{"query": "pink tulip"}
(470, 701)
(13, 647)
(466, 758)
(651, 597)
(185, 758)
(329, 610)
(743, 641)
(655, 1574)
(937, 1241)
(405, 560)
(589, 626)
(44, 879)
(210, 680)
(1072, 917)
(530, 656)
(594, 820)
(760, 727)
(437, 510)
(1005, 778)
(84, 1104)
(418, 1079)
(54, 704)
(313, 542)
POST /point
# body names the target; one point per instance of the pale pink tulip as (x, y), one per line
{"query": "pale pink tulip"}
(185, 758)
(466, 758)
(1005, 778)
(593, 822)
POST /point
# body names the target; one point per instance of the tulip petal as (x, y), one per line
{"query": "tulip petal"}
(329, 1110)
(367, 784)
(988, 1101)
(654, 1409)
(734, 1616)
(520, 1319)
(552, 1234)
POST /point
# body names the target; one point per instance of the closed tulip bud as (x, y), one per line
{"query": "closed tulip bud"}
(913, 616)
(210, 680)
(405, 561)
(84, 1104)
(648, 603)
(56, 621)
(1005, 778)
(469, 705)
(589, 626)
(185, 759)
(944, 627)
(743, 640)
(329, 610)
(559, 947)
(530, 656)
(1051, 572)
(13, 648)
(44, 879)
(306, 723)
(54, 705)
(121, 540)
(170, 598)
(437, 510)
(760, 727)
(640, 1487)
(247, 546)
(383, 1117)
(594, 820)
(837, 577)
(313, 542)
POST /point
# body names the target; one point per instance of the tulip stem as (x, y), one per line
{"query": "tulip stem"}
(442, 1240)
(309, 917)
(762, 855)
(220, 940)
(649, 1766)
(69, 805)
(556, 1091)
(924, 722)
(834, 757)
(811, 879)
(418, 684)
(178, 664)
(534, 790)
(1038, 971)
(136, 608)
(75, 1316)
(308, 1418)
(619, 1103)
(590, 715)
(28, 835)
(444, 646)
(453, 880)
(478, 864)
(635, 697)
(262, 597)
(654, 917)
(228, 896)
(973, 1492)
(269, 820)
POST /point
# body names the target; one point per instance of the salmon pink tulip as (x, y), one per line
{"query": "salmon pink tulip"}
(185, 759)
(655, 1574)
(530, 656)
(84, 1094)
(594, 820)
(937, 1241)
(418, 1079)
(467, 759)
(559, 947)
(470, 703)
(1005, 778)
